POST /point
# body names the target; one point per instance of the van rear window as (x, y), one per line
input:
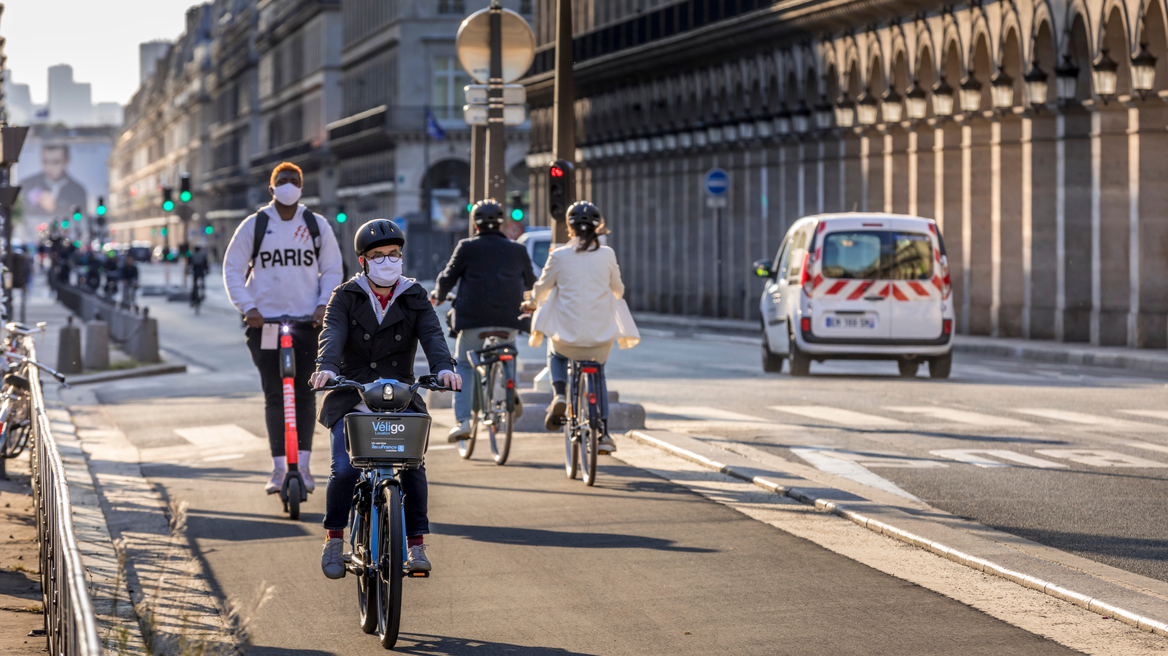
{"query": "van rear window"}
(877, 255)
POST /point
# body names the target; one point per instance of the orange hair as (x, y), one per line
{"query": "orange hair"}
(286, 166)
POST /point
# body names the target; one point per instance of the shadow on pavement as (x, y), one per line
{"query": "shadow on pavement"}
(534, 537)
(433, 645)
(282, 651)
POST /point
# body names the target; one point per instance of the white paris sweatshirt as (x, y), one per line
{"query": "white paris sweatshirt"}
(288, 279)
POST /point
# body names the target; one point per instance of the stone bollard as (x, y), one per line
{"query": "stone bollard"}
(143, 344)
(69, 349)
(97, 345)
(119, 326)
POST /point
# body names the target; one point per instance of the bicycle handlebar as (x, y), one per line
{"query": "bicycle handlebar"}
(55, 374)
(424, 382)
(290, 319)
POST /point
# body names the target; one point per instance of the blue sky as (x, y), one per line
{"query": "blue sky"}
(99, 38)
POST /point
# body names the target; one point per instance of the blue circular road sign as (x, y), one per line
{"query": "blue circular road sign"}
(717, 182)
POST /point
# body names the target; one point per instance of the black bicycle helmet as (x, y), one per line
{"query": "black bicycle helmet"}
(584, 216)
(378, 232)
(487, 214)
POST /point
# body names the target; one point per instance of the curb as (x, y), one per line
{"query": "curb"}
(1138, 359)
(122, 374)
(1080, 588)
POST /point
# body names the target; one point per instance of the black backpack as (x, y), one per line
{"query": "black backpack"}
(261, 229)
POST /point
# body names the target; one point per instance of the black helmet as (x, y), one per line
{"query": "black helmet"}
(378, 232)
(487, 214)
(583, 215)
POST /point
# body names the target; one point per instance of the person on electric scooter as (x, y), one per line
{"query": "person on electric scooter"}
(373, 326)
(492, 272)
(283, 261)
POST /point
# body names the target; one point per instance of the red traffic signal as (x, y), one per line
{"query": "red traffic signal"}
(557, 172)
(560, 188)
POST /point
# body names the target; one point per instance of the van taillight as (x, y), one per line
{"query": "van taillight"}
(805, 276)
(805, 324)
(946, 285)
(947, 327)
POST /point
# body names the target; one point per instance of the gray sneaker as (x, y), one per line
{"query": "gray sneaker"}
(416, 560)
(555, 415)
(605, 445)
(332, 560)
(461, 431)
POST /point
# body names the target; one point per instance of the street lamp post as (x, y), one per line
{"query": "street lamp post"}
(564, 110)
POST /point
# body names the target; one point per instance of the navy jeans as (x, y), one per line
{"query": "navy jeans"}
(558, 368)
(343, 478)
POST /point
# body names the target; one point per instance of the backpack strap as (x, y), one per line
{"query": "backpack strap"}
(261, 228)
(313, 231)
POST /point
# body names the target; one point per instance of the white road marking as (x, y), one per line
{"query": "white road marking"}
(441, 447)
(961, 416)
(701, 413)
(1089, 420)
(840, 416)
(1154, 414)
(229, 456)
(1149, 446)
(979, 457)
(1100, 458)
(869, 459)
(853, 471)
(212, 436)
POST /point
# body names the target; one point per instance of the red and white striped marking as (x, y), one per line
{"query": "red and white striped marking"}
(899, 290)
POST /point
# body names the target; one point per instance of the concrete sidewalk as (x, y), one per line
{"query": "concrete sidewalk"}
(1050, 352)
(20, 585)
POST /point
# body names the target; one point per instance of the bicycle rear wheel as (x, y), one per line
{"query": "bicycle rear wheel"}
(502, 419)
(366, 588)
(589, 430)
(390, 567)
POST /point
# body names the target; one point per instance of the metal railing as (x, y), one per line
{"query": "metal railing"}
(70, 623)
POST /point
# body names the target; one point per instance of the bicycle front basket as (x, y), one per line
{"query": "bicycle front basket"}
(399, 438)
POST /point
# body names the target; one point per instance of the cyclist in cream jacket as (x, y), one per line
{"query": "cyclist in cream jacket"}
(581, 309)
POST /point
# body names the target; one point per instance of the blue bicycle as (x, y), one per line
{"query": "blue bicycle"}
(382, 443)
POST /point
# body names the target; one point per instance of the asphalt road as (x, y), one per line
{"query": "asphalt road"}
(527, 561)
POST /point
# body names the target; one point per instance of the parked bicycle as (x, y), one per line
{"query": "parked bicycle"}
(382, 443)
(583, 424)
(495, 396)
(15, 400)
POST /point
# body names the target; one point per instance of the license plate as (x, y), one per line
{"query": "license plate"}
(851, 322)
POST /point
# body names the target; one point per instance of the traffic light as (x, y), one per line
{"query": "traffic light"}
(65, 224)
(341, 216)
(560, 188)
(517, 205)
(209, 230)
(184, 188)
(76, 213)
(167, 200)
(101, 206)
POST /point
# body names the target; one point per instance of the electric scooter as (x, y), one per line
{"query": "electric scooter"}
(293, 492)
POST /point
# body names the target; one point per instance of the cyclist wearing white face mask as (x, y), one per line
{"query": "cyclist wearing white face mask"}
(283, 261)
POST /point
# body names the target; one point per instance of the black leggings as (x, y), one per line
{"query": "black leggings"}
(268, 364)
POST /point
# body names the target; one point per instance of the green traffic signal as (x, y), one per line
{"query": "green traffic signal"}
(469, 206)
(342, 217)
(164, 232)
(168, 205)
(77, 216)
(209, 230)
(65, 224)
(101, 210)
(517, 214)
(185, 196)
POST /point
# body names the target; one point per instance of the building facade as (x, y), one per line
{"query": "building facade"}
(340, 88)
(1032, 132)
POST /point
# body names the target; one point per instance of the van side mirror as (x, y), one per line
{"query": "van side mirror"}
(762, 268)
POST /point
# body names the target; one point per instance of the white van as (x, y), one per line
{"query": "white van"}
(858, 286)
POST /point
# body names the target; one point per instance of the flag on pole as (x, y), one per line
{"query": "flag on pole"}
(432, 128)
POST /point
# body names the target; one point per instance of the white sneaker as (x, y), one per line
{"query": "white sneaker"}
(461, 431)
(279, 469)
(555, 413)
(416, 560)
(309, 484)
(332, 559)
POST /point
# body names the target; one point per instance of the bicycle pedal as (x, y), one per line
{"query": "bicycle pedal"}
(418, 575)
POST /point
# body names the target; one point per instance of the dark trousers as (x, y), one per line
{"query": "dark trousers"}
(339, 497)
(268, 364)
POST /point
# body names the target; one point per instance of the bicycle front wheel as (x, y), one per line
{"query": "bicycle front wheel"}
(571, 449)
(366, 580)
(466, 447)
(390, 566)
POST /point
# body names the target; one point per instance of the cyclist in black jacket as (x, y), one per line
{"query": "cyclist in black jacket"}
(492, 272)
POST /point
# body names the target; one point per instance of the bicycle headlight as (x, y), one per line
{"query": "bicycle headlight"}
(387, 392)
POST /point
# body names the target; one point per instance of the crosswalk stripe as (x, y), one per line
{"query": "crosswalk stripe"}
(840, 416)
(700, 413)
(984, 458)
(961, 416)
(1088, 419)
(212, 436)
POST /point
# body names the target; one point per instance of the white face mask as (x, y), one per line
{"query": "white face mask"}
(384, 274)
(287, 194)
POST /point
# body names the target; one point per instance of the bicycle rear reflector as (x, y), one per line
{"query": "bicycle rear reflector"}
(589, 370)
